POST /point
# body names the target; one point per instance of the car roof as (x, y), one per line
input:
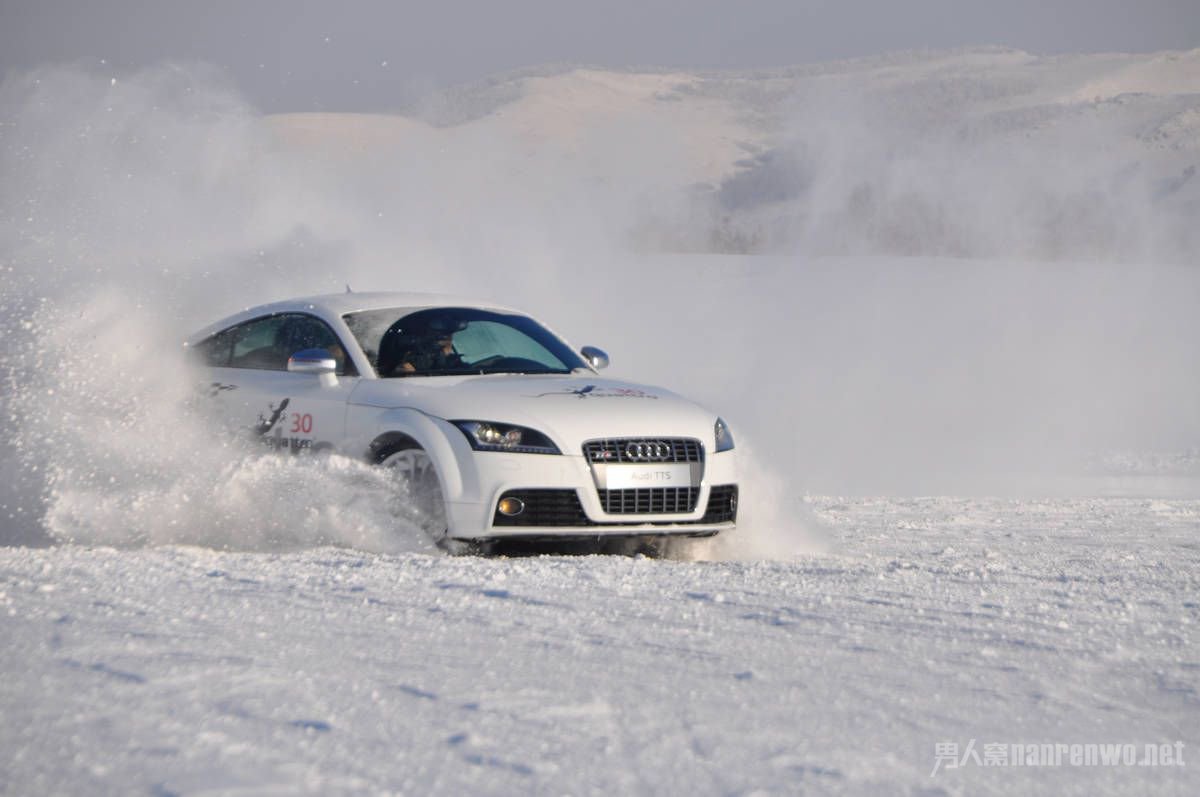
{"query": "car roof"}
(333, 306)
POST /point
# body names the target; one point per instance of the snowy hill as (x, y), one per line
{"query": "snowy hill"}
(976, 153)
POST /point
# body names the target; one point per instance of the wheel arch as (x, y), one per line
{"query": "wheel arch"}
(388, 443)
(406, 428)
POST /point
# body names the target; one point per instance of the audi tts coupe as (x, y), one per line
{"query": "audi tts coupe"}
(500, 428)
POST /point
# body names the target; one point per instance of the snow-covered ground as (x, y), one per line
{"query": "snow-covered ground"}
(184, 670)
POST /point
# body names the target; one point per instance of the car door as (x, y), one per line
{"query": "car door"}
(252, 394)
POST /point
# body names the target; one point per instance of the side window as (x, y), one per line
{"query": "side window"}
(258, 344)
(306, 332)
(266, 344)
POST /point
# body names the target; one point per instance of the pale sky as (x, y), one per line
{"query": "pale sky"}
(362, 55)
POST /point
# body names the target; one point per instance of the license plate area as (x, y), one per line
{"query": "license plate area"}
(659, 474)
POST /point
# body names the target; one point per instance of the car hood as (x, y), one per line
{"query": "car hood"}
(571, 409)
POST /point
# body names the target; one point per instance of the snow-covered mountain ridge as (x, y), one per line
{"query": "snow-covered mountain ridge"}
(978, 152)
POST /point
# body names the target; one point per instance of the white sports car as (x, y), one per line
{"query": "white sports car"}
(502, 428)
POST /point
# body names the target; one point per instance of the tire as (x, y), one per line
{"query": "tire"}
(418, 497)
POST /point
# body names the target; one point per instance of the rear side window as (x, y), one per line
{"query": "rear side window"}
(261, 344)
(265, 344)
(214, 352)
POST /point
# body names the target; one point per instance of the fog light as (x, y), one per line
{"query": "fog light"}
(511, 506)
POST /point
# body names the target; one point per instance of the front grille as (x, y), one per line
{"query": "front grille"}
(649, 500)
(643, 449)
(544, 508)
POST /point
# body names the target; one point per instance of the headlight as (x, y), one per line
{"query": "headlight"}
(490, 436)
(723, 435)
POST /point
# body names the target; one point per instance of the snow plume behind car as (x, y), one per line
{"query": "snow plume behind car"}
(105, 419)
(136, 206)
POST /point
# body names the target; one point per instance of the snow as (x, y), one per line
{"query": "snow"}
(189, 671)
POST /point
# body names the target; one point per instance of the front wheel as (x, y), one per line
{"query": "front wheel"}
(417, 494)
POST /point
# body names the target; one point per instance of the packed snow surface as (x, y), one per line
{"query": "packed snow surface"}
(182, 670)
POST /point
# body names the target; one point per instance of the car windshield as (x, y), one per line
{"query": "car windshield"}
(454, 340)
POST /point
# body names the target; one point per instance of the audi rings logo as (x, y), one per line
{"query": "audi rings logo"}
(651, 451)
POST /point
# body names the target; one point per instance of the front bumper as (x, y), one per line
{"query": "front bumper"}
(562, 499)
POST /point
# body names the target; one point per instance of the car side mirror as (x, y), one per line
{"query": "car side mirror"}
(314, 361)
(596, 358)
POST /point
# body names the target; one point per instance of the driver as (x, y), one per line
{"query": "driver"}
(435, 354)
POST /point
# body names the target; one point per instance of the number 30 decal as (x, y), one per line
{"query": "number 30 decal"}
(301, 423)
